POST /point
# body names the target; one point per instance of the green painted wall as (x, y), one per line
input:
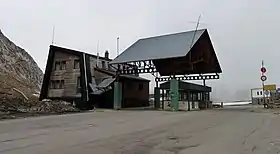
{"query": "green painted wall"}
(117, 95)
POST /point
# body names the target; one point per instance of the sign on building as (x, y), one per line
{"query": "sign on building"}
(270, 87)
(266, 92)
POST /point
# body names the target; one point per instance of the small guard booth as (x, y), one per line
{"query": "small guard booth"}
(191, 96)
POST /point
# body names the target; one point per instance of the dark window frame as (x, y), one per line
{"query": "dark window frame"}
(60, 65)
(57, 84)
(63, 65)
(61, 84)
(52, 84)
(76, 64)
(78, 87)
(79, 81)
(103, 64)
(57, 65)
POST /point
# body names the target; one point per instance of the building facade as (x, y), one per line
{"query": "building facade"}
(191, 96)
(75, 76)
(258, 96)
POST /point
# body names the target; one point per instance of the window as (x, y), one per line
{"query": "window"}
(140, 86)
(79, 82)
(258, 93)
(193, 105)
(261, 93)
(76, 64)
(60, 65)
(57, 65)
(57, 84)
(61, 85)
(103, 65)
(78, 85)
(63, 65)
(52, 84)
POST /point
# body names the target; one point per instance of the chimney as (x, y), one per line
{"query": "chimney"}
(106, 54)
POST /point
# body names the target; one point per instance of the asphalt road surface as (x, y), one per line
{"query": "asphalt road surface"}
(235, 130)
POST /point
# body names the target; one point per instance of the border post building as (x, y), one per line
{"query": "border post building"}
(174, 57)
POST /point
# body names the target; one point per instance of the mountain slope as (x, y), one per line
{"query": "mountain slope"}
(17, 68)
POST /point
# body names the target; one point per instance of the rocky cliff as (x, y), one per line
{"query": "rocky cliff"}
(17, 68)
(20, 79)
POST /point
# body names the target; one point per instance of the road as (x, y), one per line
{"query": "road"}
(235, 130)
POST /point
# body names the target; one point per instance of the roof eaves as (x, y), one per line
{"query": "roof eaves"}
(75, 52)
(124, 76)
(119, 60)
(135, 78)
(170, 34)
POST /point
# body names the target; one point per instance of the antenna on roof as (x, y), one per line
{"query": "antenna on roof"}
(53, 35)
(97, 50)
(118, 42)
(197, 24)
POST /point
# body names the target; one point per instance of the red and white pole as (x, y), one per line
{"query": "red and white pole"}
(263, 78)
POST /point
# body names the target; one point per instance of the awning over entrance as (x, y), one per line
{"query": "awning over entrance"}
(187, 86)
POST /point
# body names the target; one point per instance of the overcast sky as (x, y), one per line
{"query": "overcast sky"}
(243, 32)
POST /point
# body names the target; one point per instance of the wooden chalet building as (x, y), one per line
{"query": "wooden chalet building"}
(86, 79)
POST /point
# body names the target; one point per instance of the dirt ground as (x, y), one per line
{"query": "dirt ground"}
(231, 130)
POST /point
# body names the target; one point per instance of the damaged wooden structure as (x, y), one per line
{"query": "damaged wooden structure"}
(175, 57)
(88, 80)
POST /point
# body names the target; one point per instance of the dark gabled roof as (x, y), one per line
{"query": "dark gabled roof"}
(160, 47)
(187, 86)
(183, 53)
(111, 73)
(74, 52)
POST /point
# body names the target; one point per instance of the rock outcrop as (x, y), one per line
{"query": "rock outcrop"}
(20, 81)
(17, 68)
